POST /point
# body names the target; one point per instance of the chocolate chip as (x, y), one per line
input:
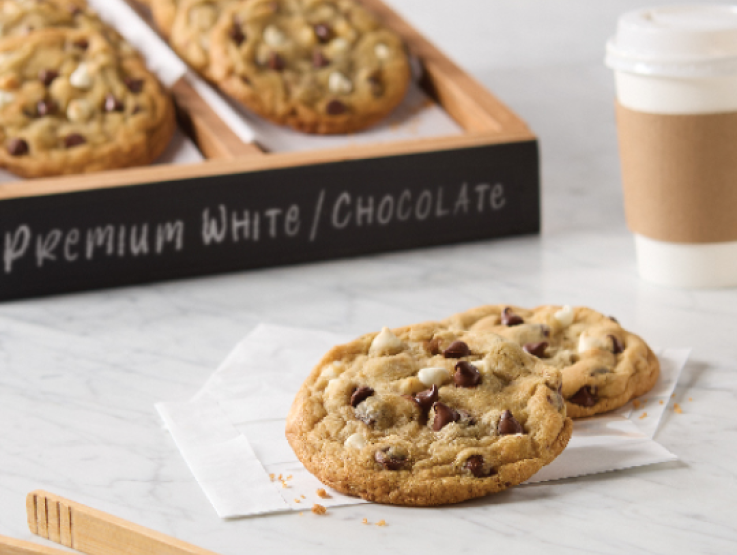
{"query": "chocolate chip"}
(47, 76)
(335, 108)
(112, 104)
(136, 110)
(444, 415)
(323, 32)
(319, 60)
(509, 318)
(617, 346)
(536, 349)
(276, 62)
(545, 329)
(426, 399)
(134, 85)
(508, 424)
(466, 375)
(475, 465)
(236, 33)
(82, 44)
(75, 139)
(585, 397)
(376, 84)
(457, 349)
(432, 346)
(360, 395)
(45, 108)
(389, 463)
(17, 147)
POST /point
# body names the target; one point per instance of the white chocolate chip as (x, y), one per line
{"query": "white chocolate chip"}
(339, 83)
(386, 343)
(79, 110)
(339, 45)
(356, 441)
(433, 376)
(382, 51)
(274, 37)
(81, 78)
(564, 316)
(587, 343)
(6, 98)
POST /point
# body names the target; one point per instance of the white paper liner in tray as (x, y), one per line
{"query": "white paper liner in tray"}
(231, 434)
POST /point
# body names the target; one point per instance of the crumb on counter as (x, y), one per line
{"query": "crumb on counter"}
(636, 403)
(301, 514)
(297, 500)
(280, 478)
(661, 401)
(673, 396)
(303, 497)
(643, 415)
(690, 398)
(272, 476)
(289, 477)
(321, 493)
(319, 509)
(382, 522)
(365, 521)
(677, 408)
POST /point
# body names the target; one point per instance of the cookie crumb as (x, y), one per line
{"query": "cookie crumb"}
(677, 408)
(382, 522)
(280, 478)
(272, 476)
(303, 497)
(301, 514)
(661, 401)
(319, 509)
(673, 396)
(690, 398)
(297, 500)
(284, 485)
(636, 403)
(365, 521)
(321, 493)
(289, 477)
(643, 415)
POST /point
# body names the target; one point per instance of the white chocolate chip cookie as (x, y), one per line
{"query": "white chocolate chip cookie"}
(490, 418)
(319, 66)
(604, 366)
(72, 104)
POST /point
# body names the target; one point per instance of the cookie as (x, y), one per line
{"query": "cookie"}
(70, 104)
(164, 12)
(603, 365)
(426, 416)
(191, 29)
(21, 17)
(318, 66)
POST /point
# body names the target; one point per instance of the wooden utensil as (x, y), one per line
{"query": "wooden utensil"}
(93, 532)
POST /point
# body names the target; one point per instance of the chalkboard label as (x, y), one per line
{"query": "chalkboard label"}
(113, 237)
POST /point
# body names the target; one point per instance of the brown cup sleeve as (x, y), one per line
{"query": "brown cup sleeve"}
(680, 175)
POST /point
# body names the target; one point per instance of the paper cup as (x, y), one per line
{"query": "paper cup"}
(676, 78)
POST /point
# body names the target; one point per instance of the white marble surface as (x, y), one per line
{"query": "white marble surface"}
(79, 374)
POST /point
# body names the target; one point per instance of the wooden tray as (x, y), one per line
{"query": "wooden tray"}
(243, 208)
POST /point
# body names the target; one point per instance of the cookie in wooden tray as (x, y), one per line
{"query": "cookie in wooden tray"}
(69, 103)
(423, 415)
(319, 66)
(603, 365)
(22, 17)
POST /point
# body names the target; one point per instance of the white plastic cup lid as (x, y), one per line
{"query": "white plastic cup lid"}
(676, 41)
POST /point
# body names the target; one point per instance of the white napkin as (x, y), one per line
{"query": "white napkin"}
(231, 434)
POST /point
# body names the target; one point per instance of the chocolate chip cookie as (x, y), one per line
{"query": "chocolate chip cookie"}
(69, 103)
(423, 415)
(603, 365)
(319, 66)
(22, 17)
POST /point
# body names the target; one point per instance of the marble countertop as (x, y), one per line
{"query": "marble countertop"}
(79, 374)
